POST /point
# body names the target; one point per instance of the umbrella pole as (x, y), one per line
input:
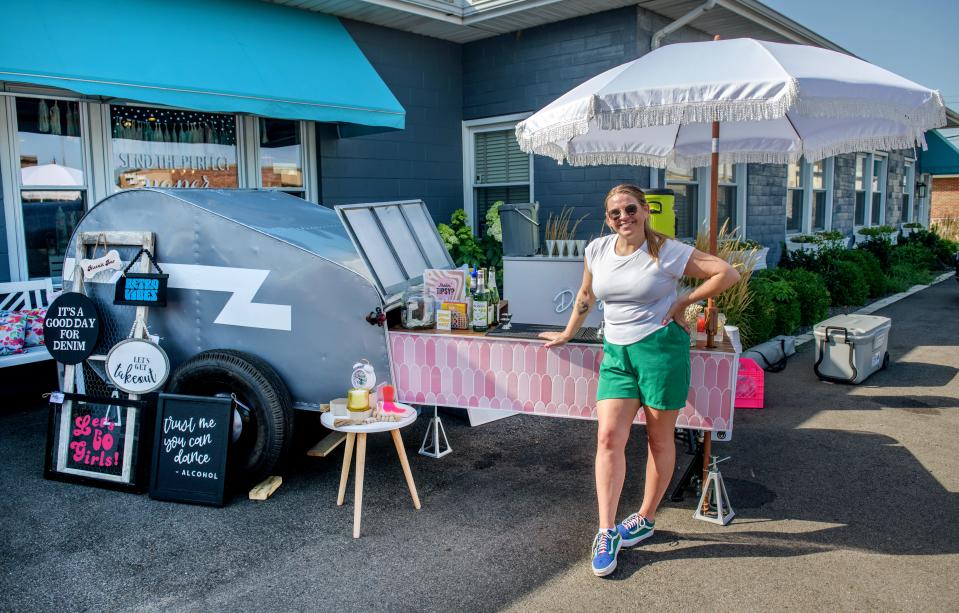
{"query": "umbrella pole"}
(711, 311)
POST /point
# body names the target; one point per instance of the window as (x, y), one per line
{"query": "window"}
(878, 190)
(499, 170)
(159, 147)
(281, 155)
(686, 205)
(860, 213)
(819, 196)
(795, 197)
(727, 199)
(909, 209)
(53, 181)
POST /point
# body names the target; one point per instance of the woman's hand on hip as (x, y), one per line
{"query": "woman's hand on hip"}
(555, 338)
(677, 313)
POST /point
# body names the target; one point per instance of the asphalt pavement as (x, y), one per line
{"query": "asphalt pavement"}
(845, 499)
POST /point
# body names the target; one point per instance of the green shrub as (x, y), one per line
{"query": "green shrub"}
(811, 290)
(783, 298)
(758, 318)
(876, 281)
(846, 283)
(881, 247)
(916, 255)
(944, 249)
(799, 259)
(903, 276)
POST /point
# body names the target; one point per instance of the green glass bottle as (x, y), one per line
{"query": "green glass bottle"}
(480, 306)
(494, 297)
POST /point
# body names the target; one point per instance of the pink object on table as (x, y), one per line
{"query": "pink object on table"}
(388, 394)
(750, 385)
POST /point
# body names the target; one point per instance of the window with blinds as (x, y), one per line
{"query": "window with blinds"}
(501, 172)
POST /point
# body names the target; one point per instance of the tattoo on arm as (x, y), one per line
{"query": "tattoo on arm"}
(581, 307)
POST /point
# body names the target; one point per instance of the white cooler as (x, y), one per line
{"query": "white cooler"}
(849, 348)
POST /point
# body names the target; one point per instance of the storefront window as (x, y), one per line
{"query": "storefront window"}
(726, 196)
(52, 178)
(281, 155)
(795, 196)
(819, 195)
(686, 205)
(168, 148)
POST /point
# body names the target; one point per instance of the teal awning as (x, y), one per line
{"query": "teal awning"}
(941, 158)
(238, 56)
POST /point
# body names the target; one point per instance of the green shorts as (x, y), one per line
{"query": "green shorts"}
(654, 369)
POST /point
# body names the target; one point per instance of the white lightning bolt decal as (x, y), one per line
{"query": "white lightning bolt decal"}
(242, 283)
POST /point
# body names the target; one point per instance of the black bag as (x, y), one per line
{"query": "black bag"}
(771, 355)
(141, 288)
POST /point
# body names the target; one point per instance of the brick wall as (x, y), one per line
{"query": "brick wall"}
(425, 160)
(945, 198)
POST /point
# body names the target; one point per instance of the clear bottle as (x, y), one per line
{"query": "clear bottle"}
(494, 297)
(480, 307)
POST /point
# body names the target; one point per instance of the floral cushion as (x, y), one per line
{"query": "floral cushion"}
(12, 331)
(33, 337)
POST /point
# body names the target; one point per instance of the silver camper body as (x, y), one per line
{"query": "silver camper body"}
(849, 348)
(270, 274)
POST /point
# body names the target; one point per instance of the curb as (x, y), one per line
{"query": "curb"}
(879, 304)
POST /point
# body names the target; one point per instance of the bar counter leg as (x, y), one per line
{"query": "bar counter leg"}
(358, 493)
(707, 449)
(345, 472)
(401, 451)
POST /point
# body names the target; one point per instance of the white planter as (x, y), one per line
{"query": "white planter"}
(759, 263)
(810, 247)
(551, 248)
(570, 248)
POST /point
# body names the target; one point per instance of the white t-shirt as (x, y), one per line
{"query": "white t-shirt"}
(636, 290)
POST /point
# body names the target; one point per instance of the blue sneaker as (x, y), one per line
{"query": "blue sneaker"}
(634, 529)
(605, 549)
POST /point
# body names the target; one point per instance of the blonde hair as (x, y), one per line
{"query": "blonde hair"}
(654, 239)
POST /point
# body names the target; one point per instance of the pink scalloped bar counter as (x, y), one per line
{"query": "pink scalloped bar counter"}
(468, 370)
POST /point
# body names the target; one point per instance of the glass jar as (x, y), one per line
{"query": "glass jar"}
(418, 310)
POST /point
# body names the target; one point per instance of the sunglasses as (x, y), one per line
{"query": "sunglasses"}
(629, 209)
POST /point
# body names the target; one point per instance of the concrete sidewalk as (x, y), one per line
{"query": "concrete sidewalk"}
(846, 498)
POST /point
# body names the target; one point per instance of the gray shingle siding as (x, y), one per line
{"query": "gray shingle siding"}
(524, 71)
(766, 207)
(425, 160)
(844, 193)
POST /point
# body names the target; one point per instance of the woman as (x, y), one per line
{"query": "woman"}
(646, 355)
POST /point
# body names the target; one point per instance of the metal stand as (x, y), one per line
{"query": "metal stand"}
(714, 497)
(690, 478)
(436, 437)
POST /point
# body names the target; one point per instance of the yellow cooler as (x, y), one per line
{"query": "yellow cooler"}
(662, 212)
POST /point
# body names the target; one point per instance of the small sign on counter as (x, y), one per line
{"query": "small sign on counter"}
(190, 449)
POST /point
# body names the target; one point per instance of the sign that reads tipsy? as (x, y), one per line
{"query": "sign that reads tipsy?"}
(137, 366)
(71, 328)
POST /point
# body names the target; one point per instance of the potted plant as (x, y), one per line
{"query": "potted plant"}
(750, 251)
(910, 227)
(830, 239)
(803, 242)
(876, 232)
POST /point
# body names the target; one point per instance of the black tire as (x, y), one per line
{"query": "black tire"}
(266, 429)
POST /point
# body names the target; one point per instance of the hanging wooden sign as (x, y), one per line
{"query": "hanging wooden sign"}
(71, 328)
(141, 288)
(110, 261)
(137, 366)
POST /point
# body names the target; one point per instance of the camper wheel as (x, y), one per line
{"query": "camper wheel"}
(263, 414)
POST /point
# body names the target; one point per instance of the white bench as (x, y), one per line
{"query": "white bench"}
(18, 295)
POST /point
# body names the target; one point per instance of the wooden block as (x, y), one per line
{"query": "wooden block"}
(266, 488)
(327, 444)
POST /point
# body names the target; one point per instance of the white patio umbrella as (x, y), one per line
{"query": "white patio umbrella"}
(50, 174)
(772, 102)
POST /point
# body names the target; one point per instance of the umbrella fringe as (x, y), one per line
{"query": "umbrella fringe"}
(932, 114)
(705, 111)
